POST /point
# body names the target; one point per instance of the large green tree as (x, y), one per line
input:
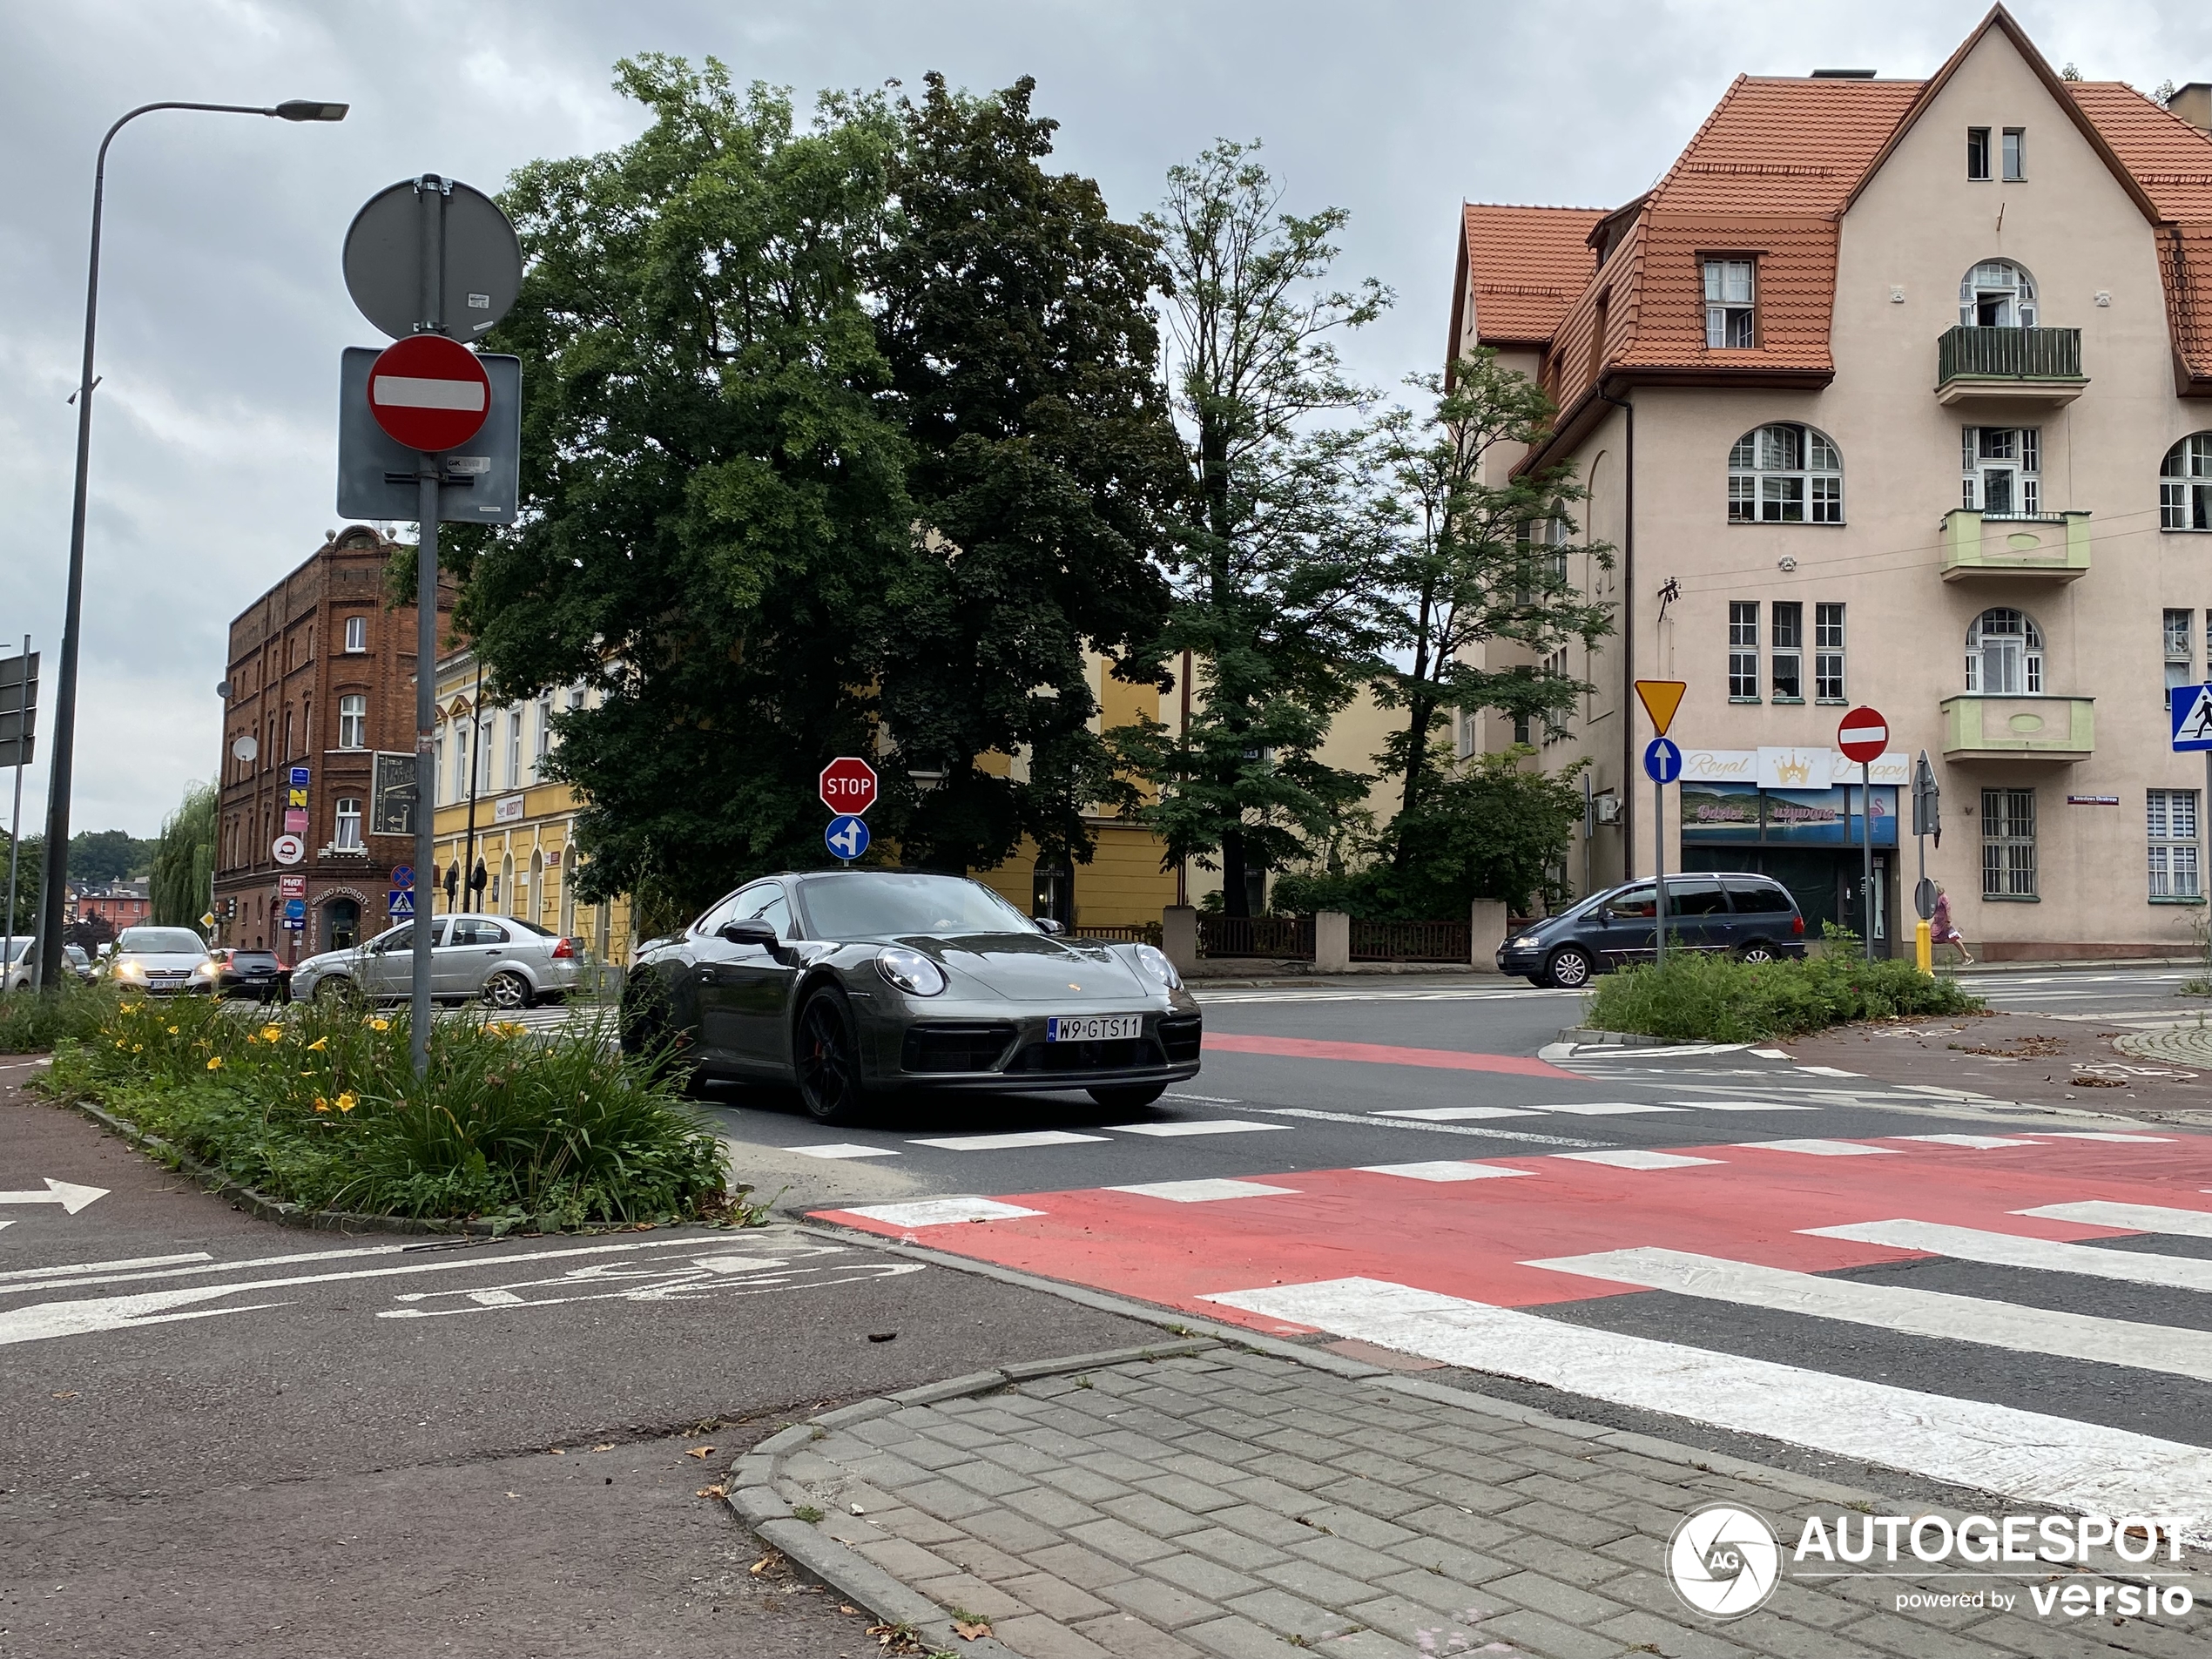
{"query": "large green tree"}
(714, 490)
(1017, 321)
(1481, 570)
(107, 855)
(1282, 540)
(184, 860)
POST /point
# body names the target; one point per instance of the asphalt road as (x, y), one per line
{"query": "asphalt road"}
(222, 1437)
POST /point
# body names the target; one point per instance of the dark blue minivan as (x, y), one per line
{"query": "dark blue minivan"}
(1753, 917)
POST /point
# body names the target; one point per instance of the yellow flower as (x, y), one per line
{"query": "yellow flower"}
(320, 1042)
(122, 1043)
(321, 1105)
(173, 1030)
(138, 1048)
(270, 1033)
(216, 1064)
(347, 1102)
(380, 1025)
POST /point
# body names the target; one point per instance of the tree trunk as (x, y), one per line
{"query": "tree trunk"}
(1234, 901)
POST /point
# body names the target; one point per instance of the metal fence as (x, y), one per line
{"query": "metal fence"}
(2009, 354)
(1410, 941)
(1123, 933)
(1282, 938)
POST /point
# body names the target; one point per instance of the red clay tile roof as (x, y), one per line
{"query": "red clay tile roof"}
(1525, 266)
(1726, 193)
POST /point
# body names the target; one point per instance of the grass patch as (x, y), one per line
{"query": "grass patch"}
(31, 1022)
(1713, 998)
(320, 1106)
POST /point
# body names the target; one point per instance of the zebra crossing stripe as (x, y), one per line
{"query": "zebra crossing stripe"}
(2008, 1250)
(1816, 1148)
(1634, 1158)
(2025, 1456)
(1890, 1307)
(2135, 1217)
(1442, 1170)
(1979, 1142)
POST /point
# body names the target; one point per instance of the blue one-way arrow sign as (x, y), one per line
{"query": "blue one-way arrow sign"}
(1662, 761)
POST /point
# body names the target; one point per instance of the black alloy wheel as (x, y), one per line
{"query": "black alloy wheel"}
(1569, 967)
(829, 1060)
(1127, 1097)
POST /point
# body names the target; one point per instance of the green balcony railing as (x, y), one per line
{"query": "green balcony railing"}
(1964, 354)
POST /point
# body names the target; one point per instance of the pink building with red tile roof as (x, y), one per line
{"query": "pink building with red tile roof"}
(1894, 392)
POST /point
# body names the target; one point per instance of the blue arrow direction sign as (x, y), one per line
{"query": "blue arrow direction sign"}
(399, 906)
(1662, 761)
(846, 836)
(2192, 715)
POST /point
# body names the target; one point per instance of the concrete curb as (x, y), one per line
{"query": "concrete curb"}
(1589, 1036)
(751, 1494)
(265, 1207)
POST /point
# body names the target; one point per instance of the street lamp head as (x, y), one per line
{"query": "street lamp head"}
(303, 109)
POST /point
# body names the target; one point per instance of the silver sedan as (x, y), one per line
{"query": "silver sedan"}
(508, 962)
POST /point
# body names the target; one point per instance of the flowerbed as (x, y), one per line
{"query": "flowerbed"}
(1713, 998)
(320, 1107)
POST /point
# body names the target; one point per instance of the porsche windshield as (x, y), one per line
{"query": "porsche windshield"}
(881, 905)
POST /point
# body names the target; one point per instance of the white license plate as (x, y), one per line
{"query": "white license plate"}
(1093, 1028)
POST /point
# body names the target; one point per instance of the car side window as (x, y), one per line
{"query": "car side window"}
(1696, 898)
(777, 914)
(1758, 898)
(472, 930)
(745, 902)
(1636, 902)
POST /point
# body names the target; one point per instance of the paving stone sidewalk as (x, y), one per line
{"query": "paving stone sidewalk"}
(1228, 1504)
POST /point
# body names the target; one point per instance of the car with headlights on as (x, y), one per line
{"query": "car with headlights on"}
(852, 985)
(505, 962)
(168, 961)
(1751, 917)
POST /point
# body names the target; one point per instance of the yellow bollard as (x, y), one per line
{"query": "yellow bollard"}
(1924, 945)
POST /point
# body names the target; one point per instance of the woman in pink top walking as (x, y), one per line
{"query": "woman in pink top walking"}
(1943, 931)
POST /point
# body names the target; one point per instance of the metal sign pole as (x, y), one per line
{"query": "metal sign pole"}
(1659, 868)
(1866, 838)
(15, 824)
(430, 201)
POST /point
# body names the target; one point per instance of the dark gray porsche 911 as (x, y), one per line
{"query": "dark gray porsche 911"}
(852, 984)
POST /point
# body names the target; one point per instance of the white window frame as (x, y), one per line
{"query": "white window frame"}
(1731, 303)
(1828, 624)
(357, 633)
(1785, 472)
(2170, 828)
(544, 733)
(2178, 629)
(2185, 485)
(483, 753)
(1987, 646)
(2016, 453)
(1743, 650)
(348, 836)
(1786, 651)
(1978, 151)
(514, 747)
(2005, 282)
(2008, 844)
(2013, 153)
(353, 720)
(461, 761)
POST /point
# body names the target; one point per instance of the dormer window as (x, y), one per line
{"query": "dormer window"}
(1729, 302)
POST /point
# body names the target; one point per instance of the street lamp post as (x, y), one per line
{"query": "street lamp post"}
(55, 866)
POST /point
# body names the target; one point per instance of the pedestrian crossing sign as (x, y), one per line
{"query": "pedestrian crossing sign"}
(2191, 707)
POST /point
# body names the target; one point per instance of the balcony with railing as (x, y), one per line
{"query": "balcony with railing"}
(2021, 365)
(2050, 547)
(2061, 730)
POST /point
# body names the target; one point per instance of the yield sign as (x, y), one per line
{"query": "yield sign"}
(848, 785)
(68, 1194)
(428, 393)
(1660, 699)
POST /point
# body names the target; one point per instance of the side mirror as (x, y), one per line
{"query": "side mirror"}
(754, 931)
(1047, 924)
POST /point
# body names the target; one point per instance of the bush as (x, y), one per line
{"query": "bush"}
(32, 1023)
(1704, 997)
(320, 1106)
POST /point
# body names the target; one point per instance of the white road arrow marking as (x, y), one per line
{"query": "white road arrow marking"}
(68, 1194)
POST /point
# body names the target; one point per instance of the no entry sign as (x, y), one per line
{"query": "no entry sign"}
(429, 393)
(848, 785)
(1863, 735)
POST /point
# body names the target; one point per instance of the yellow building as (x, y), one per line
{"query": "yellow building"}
(495, 809)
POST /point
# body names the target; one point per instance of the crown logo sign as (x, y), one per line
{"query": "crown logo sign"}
(1793, 771)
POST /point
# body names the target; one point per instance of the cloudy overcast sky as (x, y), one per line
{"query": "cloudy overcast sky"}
(223, 311)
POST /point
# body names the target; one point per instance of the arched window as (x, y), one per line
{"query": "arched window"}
(2004, 654)
(1997, 294)
(2185, 485)
(1786, 474)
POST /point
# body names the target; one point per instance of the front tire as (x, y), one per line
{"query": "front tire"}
(828, 1054)
(1757, 951)
(1127, 1097)
(1568, 969)
(508, 991)
(337, 992)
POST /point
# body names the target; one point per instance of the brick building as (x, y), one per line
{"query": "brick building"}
(120, 904)
(321, 677)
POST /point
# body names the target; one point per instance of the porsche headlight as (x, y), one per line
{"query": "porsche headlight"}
(910, 970)
(1157, 965)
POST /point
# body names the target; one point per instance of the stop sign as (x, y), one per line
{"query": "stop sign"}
(429, 393)
(848, 785)
(1863, 735)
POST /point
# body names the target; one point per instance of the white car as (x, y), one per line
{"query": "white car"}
(168, 961)
(508, 962)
